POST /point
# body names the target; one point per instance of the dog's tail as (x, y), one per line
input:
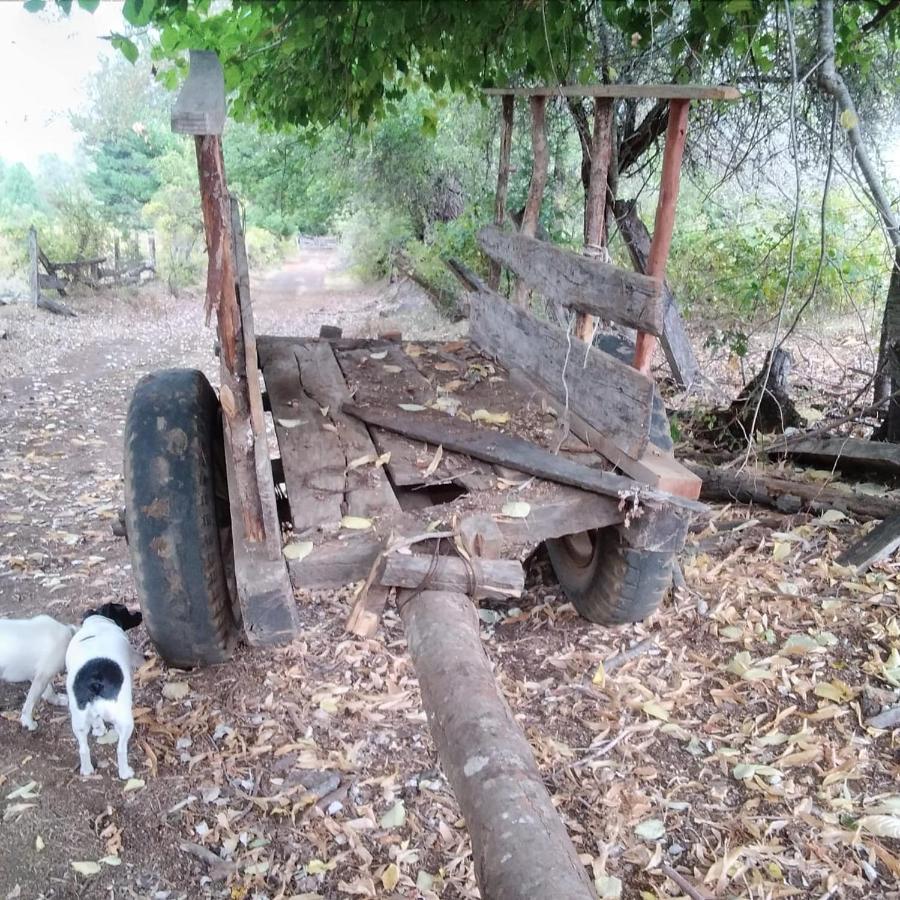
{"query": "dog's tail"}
(97, 679)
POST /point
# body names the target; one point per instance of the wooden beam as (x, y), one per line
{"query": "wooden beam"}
(676, 344)
(481, 579)
(595, 201)
(505, 449)
(579, 282)
(844, 453)
(632, 91)
(611, 396)
(664, 224)
(200, 106)
(222, 296)
(878, 544)
(519, 845)
(506, 127)
(33, 273)
(532, 212)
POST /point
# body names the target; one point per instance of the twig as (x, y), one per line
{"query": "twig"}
(693, 892)
(615, 662)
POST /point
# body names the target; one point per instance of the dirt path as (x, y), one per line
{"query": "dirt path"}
(726, 751)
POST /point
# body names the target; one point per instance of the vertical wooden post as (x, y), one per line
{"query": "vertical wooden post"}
(665, 216)
(200, 111)
(595, 202)
(532, 211)
(34, 278)
(117, 260)
(151, 249)
(506, 126)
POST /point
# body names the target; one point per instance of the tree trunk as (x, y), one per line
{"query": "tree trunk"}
(506, 127)
(771, 396)
(33, 274)
(831, 82)
(519, 844)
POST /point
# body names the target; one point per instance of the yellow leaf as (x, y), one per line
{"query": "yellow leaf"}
(318, 867)
(394, 817)
(652, 708)
(381, 354)
(86, 868)
(599, 676)
(848, 119)
(393, 370)
(411, 407)
(435, 462)
(298, 550)
(482, 415)
(780, 550)
(360, 461)
(881, 826)
(133, 784)
(390, 876)
(836, 690)
(356, 523)
(516, 510)
(111, 860)
(39, 843)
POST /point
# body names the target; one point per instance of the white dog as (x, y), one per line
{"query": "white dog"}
(34, 650)
(99, 662)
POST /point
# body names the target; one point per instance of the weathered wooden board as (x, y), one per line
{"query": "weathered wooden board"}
(268, 609)
(675, 343)
(577, 281)
(200, 106)
(634, 91)
(337, 562)
(312, 456)
(496, 447)
(609, 395)
(878, 544)
(488, 579)
(367, 489)
(845, 453)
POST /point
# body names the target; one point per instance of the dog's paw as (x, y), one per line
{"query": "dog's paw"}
(86, 770)
(59, 700)
(126, 773)
(29, 723)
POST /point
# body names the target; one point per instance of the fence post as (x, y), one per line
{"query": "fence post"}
(33, 275)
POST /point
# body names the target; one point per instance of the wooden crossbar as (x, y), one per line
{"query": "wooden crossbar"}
(632, 91)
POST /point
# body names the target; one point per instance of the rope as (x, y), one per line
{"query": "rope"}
(472, 582)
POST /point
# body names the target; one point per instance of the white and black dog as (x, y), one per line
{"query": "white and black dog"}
(99, 662)
(34, 650)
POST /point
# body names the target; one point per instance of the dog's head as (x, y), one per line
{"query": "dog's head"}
(118, 613)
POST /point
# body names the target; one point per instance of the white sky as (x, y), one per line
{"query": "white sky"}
(44, 61)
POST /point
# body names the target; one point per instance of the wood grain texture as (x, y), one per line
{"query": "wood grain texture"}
(577, 281)
(608, 394)
(844, 453)
(200, 106)
(488, 579)
(636, 91)
(506, 128)
(878, 544)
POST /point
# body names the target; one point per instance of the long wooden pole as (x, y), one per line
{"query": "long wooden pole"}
(665, 216)
(506, 127)
(520, 846)
(595, 202)
(221, 296)
(532, 211)
(33, 272)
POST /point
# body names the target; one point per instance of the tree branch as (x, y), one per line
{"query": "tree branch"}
(880, 16)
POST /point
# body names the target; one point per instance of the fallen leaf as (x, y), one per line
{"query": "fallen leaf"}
(393, 370)
(133, 784)
(319, 867)
(881, 826)
(25, 792)
(608, 887)
(380, 354)
(298, 550)
(411, 407)
(482, 415)
(836, 690)
(360, 461)
(394, 817)
(356, 523)
(652, 708)
(599, 676)
(650, 829)
(111, 860)
(86, 868)
(424, 881)
(780, 550)
(390, 876)
(175, 690)
(290, 423)
(39, 843)
(435, 462)
(517, 509)
(800, 645)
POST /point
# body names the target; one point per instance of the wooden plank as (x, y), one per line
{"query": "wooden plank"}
(311, 454)
(506, 127)
(268, 609)
(222, 296)
(481, 579)
(52, 283)
(632, 91)
(664, 223)
(877, 545)
(481, 536)
(608, 394)
(675, 343)
(368, 608)
(200, 106)
(496, 447)
(264, 478)
(845, 453)
(367, 490)
(33, 273)
(336, 563)
(577, 281)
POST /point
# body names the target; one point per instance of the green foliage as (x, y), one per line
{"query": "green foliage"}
(372, 236)
(19, 195)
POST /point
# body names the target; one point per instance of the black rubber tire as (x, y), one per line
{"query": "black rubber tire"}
(607, 581)
(178, 520)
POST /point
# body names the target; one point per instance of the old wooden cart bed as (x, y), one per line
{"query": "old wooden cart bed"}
(425, 470)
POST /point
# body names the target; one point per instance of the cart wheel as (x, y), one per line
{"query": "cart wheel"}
(609, 582)
(178, 520)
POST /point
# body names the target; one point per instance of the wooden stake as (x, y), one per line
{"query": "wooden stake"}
(595, 202)
(33, 276)
(665, 216)
(506, 126)
(532, 211)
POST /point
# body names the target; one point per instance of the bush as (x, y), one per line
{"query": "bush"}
(372, 237)
(264, 248)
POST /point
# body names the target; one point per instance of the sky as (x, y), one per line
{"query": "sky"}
(44, 61)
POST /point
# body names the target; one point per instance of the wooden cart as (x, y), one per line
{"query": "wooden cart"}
(432, 469)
